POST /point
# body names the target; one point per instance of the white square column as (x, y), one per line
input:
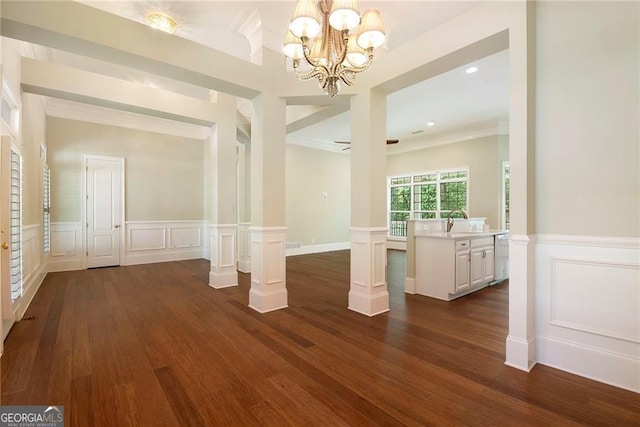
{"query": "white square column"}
(244, 247)
(223, 273)
(521, 341)
(268, 231)
(221, 187)
(244, 207)
(268, 269)
(368, 294)
(368, 291)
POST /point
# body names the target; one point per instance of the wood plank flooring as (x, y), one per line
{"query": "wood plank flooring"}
(153, 345)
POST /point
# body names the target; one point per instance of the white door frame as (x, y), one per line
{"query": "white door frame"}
(85, 247)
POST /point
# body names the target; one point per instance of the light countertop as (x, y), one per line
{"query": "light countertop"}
(458, 235)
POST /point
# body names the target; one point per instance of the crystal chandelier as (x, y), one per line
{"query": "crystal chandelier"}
(334, 40)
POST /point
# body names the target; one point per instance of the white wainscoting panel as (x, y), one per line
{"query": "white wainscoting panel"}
(147, 239)
(162, 241)
(67, 250)
(33, 267)
(588, 307)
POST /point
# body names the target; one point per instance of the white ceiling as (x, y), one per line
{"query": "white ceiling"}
(454, 100)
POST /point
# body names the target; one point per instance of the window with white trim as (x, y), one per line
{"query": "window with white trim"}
(505, 196)
(9, 110)
(427, 195)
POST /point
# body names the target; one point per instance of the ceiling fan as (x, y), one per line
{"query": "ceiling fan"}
(389, 142)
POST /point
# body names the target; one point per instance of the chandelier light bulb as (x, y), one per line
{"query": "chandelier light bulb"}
(344, 15)
(305, 21)
(373, 33)
(292, 47)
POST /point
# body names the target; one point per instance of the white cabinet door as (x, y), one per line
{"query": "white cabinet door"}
(477, 273)
(488, 264)
(462, 271)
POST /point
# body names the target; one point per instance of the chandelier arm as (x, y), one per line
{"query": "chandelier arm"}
(343, 53)
(306, 51)
(363, 67)
(316, 72)
(348, 77)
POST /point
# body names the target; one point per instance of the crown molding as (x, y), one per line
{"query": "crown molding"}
(71, 110)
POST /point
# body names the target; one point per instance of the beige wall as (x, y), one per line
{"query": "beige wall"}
(483, 157)
(311, 217)
(163, 174)
(33, 134)
(588, 127)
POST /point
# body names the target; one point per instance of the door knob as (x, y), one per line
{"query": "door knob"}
(117, 226)
(5, 246)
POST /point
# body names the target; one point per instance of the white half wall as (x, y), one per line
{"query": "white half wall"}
(161, 241)
(588, 307)
(67, 247)
(146, 242)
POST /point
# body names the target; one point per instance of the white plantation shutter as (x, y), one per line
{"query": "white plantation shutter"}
(46, 220)
(16, 226)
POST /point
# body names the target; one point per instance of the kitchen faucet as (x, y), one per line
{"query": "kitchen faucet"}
(450, 220)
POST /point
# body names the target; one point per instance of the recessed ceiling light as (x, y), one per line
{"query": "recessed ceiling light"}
(472, 70)
(430, 123)
(162, 21)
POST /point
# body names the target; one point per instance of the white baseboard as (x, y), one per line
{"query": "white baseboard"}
(610, 368)
(31, 288)
(57, 265)
(314, 249)
(162, 257)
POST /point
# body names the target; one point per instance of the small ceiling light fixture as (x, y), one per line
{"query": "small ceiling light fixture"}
(161, 21)
(334, 40)
(472, 70)
(430, 123)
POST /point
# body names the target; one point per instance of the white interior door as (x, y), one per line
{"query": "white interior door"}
(104, 211)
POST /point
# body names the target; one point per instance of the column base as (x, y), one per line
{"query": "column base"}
(521, 354)
(223, 273)
(369, 305)
(264, 302)
(268, 269)
(223, 280)
(368, 293)
(244, 266)
(244, 247)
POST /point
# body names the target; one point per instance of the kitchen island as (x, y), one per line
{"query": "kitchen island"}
(449, 265)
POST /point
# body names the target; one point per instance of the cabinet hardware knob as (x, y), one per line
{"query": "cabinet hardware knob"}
(5, 246)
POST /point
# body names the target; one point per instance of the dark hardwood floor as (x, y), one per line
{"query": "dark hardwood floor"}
(153, 345)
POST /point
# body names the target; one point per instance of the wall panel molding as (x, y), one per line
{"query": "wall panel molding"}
(587, 305)
(67, 248)
(162, 241)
